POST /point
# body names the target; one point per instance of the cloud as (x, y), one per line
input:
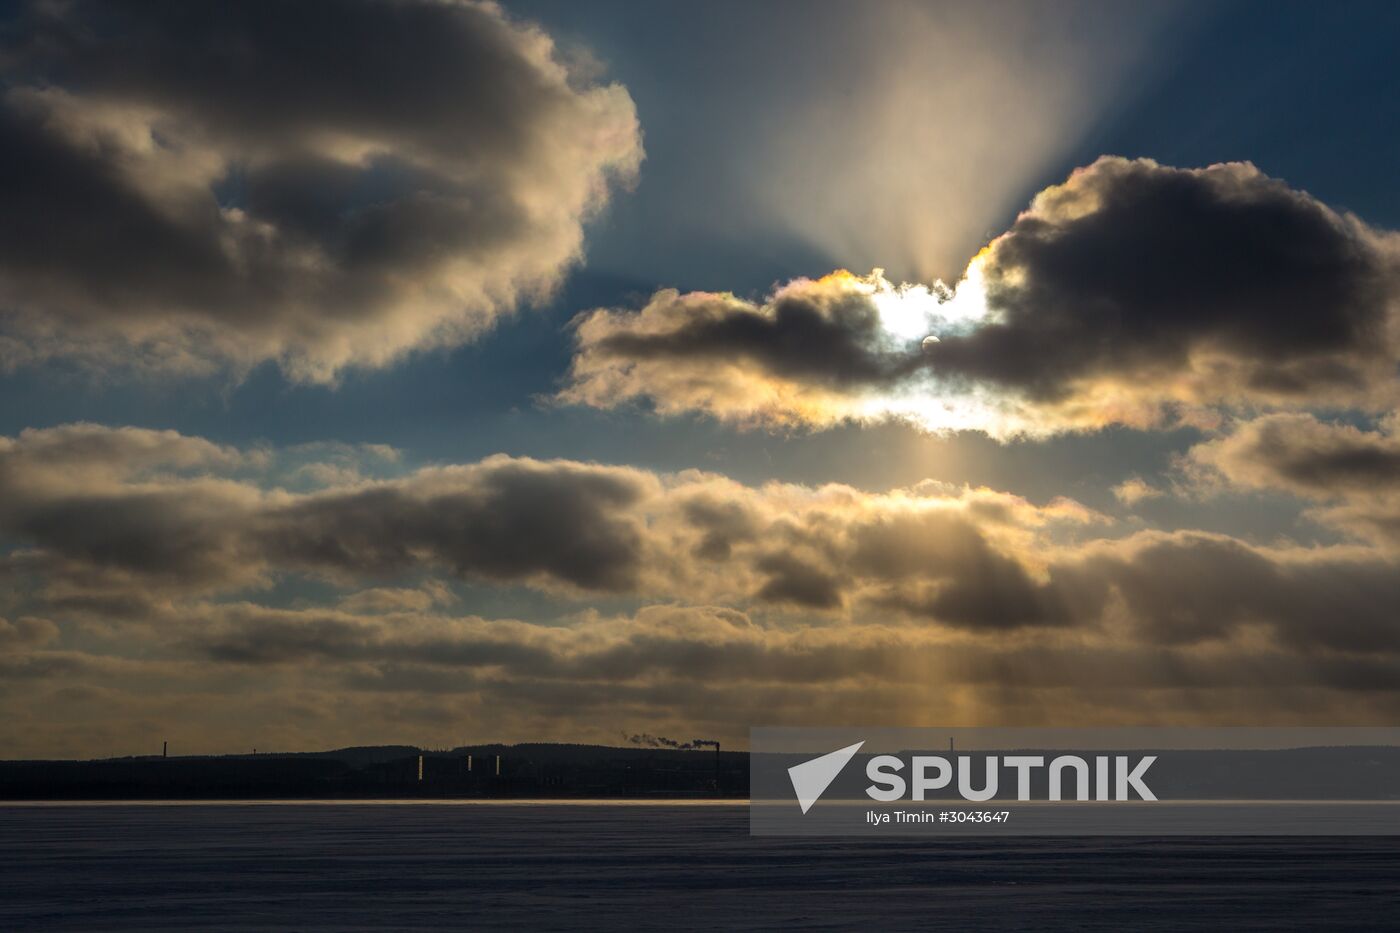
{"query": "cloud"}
(1134, 490)
(26, 632)
(1221, 277)
(1191, 587)
(101, 520)
(789, 580)
(333, 678)
(1133, 294)
(728, 603)
(1355, 471)
(174, 511)
(132, 537)
(128, 501)
(814, 353)
(190, 188)
(385, 599)
(1300, 454)
(501, 519)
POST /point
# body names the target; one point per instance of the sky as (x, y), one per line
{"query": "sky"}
(444, 372)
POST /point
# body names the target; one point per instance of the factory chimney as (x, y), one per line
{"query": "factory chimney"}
(165, 749)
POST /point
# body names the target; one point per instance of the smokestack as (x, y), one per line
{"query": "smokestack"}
(165, 749)
(498, 766)
(950, 743)
(660, 741)
(420, 768)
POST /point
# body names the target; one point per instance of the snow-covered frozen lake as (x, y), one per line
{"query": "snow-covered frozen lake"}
(609, 867)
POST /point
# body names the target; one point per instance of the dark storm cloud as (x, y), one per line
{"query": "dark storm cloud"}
(323, 183)
(1134, 293)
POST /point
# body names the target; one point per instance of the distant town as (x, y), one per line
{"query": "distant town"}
(529, 771)
(648, 767)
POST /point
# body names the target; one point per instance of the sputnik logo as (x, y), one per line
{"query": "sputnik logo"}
(811, 778)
